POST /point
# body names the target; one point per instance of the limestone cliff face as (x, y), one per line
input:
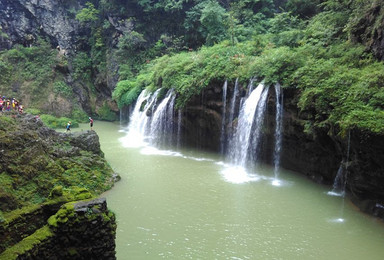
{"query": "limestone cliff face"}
(24, 20)
(318, 154)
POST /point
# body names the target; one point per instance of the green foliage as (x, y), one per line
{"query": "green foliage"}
(33, 111)
(212, 19)
(206, 20)
(190, 72)
(33, 64)
(5, 74)
(131, 42)
(27, 244)
(166, 5)
(277, 64)
(2, 219)
(88, 14)
(105, 113)
(57, 122)
(33, 173)
(327, 27)
(61, 88)
(82, 66)
(126, 92)
(79, 115)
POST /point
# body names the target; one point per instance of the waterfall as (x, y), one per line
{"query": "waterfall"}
(161, 127)
(249, 124)
(278, 131)
(138, 120)
(178, 142)
(233, 104)
(258, 125)
(340, 182)
(223, 118)
(250, 86)
(149, 122)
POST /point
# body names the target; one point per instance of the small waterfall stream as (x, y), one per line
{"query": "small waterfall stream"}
(340, 182)
(223, 118)
(179, 116)
(278, 132)
(233, 104)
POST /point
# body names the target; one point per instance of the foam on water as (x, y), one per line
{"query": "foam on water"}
(238, 175)
(336, 194)
(133, 139)
(276, 182)
(337, 220)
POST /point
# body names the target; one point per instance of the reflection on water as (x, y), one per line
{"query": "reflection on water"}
(186, 204)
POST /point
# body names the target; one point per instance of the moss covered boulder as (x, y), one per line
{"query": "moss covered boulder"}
(35, 159)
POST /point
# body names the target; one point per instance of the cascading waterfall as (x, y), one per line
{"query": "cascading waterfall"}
(138, 120)
(151, 123)
(161, 127)
(257, 127)
(223, 118)
(278, 132)
(249, 119)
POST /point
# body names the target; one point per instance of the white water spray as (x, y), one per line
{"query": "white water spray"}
(161, 127)
(241, 141)
(257, 127)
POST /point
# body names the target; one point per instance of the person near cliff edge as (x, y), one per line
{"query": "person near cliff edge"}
(69, 126)
(91, 123)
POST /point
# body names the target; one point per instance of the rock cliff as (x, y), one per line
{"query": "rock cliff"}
(75, 230)
(34, 159)
(24, 20)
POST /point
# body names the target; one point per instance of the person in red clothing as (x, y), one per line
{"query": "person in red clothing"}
(91, 123)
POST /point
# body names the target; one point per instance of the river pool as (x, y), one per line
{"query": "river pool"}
(188, 204)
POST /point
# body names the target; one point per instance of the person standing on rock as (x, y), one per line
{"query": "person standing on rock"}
(69, 126)
(91, 123)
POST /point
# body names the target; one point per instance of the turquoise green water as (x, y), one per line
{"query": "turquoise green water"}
(191, 205)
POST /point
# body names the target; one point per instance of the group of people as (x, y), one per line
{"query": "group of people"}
(10, 104)
(70, 124)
